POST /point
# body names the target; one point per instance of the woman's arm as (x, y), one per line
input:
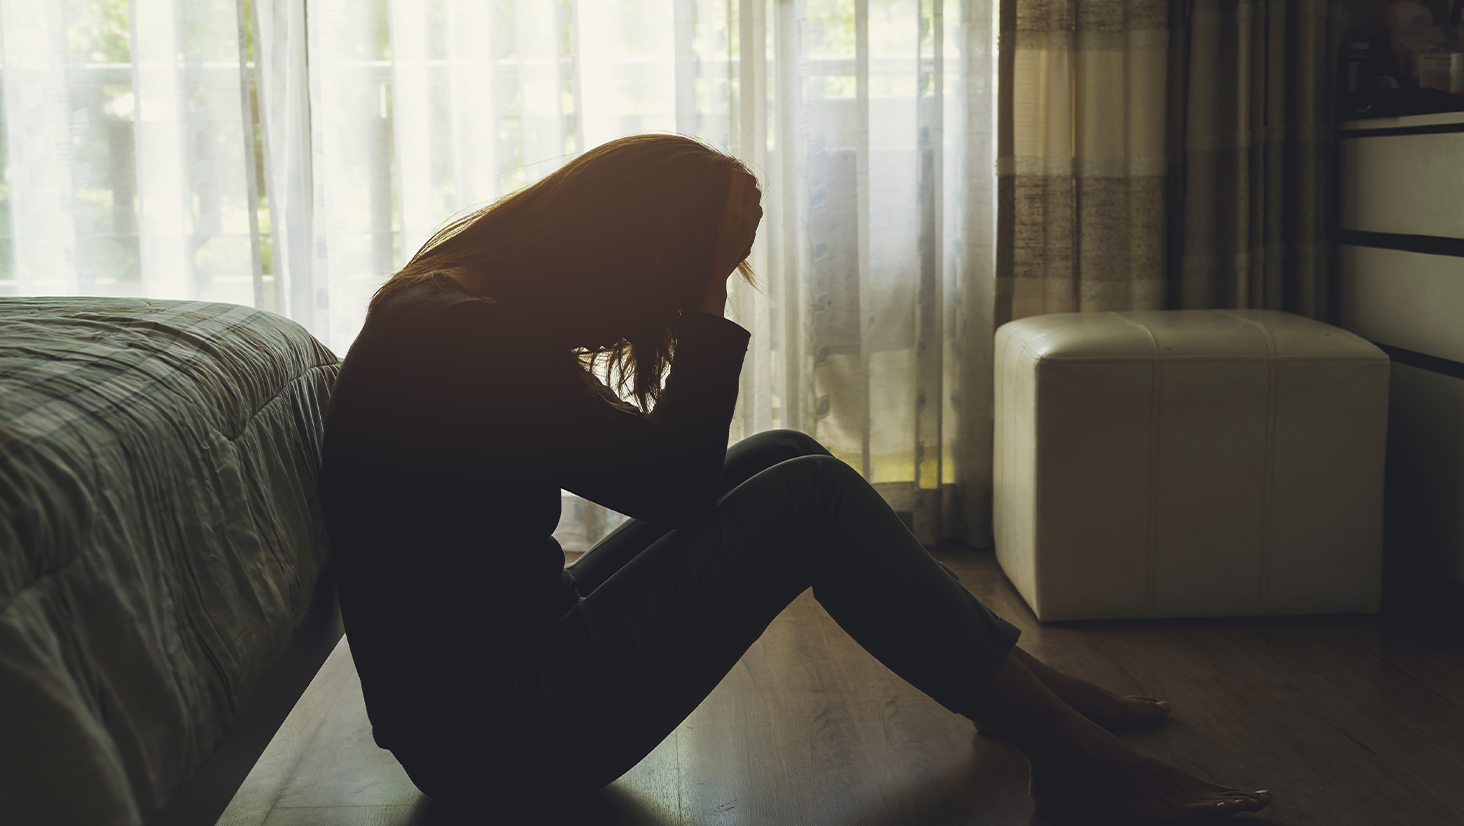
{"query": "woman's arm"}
(715, 301)
(740, 218)
(664, 468)
(500, 418)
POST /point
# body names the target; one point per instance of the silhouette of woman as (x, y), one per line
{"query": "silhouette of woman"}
(493, 672)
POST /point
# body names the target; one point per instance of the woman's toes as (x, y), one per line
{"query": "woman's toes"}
(1227, 806)
(1242, 802)
(1134, 708)
(1162, 705)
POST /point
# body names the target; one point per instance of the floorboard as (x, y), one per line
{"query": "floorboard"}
(1350, 720)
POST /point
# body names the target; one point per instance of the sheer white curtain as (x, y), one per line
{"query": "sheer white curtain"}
(290, 154)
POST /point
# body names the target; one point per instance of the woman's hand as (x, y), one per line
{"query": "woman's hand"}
(734, 242)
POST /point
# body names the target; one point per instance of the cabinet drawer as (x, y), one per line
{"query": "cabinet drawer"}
(1409, 184)
(1406, 299)
(1424, 490)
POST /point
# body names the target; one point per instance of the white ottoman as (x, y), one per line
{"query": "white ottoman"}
(1189, 463)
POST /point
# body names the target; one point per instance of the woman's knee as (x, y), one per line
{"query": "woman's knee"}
(761, 451)
(819, 475)
(797, 481)
(785, 442)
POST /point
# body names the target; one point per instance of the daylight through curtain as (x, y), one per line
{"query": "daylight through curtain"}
(290, 155)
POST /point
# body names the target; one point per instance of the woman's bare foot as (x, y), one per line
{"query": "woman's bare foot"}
(1078, 768)
(1135, 786)
(1098, 704)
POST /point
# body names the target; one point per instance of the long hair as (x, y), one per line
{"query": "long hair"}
(620, 241)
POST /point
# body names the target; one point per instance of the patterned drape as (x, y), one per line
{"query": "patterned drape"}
(1084, 115)
(1254, 227)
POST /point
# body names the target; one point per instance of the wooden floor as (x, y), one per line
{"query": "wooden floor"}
(1351, 721)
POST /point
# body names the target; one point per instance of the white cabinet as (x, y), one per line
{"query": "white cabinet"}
(1405, 299)
(1396, 178)
(1401, 281)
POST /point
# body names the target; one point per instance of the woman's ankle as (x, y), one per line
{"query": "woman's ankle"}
(1021, 708)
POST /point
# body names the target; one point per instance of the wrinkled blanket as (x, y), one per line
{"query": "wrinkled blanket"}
(160, 538)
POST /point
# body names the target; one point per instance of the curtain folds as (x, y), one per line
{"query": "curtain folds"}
(1255, 225)
(290, 154)
(127, 143)
(1165, 153)
(1084, 159)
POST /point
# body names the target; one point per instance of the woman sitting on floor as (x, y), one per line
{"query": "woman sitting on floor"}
(492, 671)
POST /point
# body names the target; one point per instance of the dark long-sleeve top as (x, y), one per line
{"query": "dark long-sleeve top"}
(450, 433)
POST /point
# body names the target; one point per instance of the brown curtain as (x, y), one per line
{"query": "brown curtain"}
(1083, 124)
(1164, 154)
(1251, 227)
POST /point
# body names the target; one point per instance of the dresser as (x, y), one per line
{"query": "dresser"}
(1400, 273)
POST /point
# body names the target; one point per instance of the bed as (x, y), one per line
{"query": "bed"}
(162, 554)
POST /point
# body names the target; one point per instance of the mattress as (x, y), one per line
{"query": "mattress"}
(160, 539)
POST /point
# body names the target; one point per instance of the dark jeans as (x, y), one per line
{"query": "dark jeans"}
(666, 614)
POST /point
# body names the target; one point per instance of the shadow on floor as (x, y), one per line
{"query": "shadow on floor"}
(611, 806)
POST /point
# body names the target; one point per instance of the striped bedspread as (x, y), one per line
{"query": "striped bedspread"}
(160, 537)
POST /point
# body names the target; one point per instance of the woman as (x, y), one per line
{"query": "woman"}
(492, 671)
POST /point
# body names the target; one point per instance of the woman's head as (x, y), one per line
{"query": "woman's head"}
(601, 255)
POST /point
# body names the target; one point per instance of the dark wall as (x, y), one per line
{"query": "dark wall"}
(1361, 16)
